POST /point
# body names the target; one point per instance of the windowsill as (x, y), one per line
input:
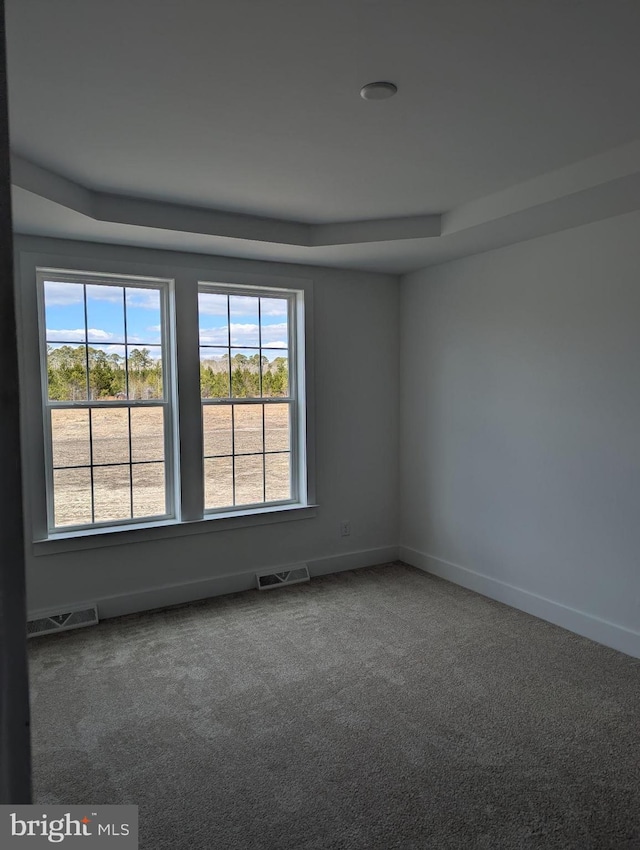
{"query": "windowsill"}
(97, 539)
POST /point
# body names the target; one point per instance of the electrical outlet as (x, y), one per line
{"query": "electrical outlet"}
(345, 529)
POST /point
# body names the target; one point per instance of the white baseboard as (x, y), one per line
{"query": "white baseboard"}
(167, 595)
(587, 625)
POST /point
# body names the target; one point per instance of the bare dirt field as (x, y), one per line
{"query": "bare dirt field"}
(126, 455)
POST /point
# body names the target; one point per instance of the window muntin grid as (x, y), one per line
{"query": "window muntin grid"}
(109, 428)
(247, 371)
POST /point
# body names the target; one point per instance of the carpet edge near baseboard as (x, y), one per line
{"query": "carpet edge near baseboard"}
(580, 622)
(179, 593)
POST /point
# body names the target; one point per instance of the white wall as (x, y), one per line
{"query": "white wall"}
(520, 435)
(356, 388)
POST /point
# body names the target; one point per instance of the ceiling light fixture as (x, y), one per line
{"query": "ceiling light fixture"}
(378, 91)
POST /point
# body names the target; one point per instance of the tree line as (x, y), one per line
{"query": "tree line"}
(245, 376)
(67, 375)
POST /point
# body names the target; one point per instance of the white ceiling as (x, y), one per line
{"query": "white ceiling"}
(252, 107)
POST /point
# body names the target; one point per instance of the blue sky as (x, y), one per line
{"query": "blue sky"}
(65, 321)
(248, 326)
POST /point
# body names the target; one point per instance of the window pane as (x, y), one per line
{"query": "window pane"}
(147, 433)
(245, 373)
(249, 480)
(275, 374)
(216, 426)
(107, 376)
(64, 311)
(67, 372)
(276, 427)
(110, 435)
(70, 437)
(218, 482)
(105, 313)
(213, 319)
(145, 372)
(111, 493)
(149, 495)
(214, 373)
(143, 316)
(245, 330)
(274, 321)
(72, 496)
(277, 477)
(107, 460)
(247, 428)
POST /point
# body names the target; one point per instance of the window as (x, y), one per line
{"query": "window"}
(107, 390)
(249, 396)
(161, 404)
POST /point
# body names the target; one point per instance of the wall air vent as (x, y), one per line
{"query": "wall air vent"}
(292, 575)
(46, 624)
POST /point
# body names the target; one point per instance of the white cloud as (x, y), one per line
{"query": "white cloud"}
(146, 299)
(112, 294)
(246, 335)
(63, 294)
(59, 294)
(275, 336)
(273, 307)
(77, 335)
(213, 336)
(97, 335)
(210, 304)
(152, 337)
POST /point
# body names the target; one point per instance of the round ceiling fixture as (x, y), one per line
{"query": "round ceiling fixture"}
(378, 91)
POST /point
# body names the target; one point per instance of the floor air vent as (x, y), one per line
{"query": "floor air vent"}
(294, 575)
(48, 623)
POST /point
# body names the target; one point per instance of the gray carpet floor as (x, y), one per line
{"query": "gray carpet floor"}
(380, 708)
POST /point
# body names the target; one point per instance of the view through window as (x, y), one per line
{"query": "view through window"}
(106, 402)
(110, 400)
(248, 397)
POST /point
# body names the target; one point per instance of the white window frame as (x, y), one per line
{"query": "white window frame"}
(184, 272)
(167, 403)
(296, 398)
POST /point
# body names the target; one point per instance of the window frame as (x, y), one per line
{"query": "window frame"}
(185, 271)
(295, 400)
(168, 403)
